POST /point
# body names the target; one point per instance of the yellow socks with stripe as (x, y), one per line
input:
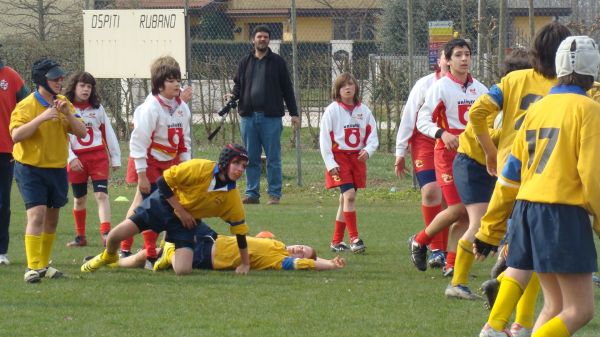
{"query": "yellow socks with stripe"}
(33, 247)
(508, 296)
(464, 261)
(525, 314)
(46, 251)
(553, 328)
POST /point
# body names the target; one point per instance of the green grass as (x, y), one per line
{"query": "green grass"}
(377, 294)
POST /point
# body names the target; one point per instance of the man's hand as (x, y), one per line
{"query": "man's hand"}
(61, 106)
(339, 262)
(483, 249)
(242, 269)
(450, 140)
(143, 183)
(400, 167)
(76, 165)
(49, 114)
(296, 121)
(491, 165)
(187, 220)
(363, 155)
(186, 94)
(227, 97)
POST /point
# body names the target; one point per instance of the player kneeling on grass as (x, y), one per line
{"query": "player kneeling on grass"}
(219, 252)
(186, 193)
(553, 160)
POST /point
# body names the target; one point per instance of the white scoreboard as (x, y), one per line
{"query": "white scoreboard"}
(123, 43)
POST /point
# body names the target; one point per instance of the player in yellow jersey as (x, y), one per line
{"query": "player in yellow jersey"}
(188, 192)
(219, 252)
(39, 127)
(551, 174)
(513, 95)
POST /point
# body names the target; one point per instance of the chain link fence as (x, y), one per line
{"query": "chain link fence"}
(318, 39)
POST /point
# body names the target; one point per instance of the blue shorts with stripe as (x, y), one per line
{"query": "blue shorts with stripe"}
(472, 180)
(551, 238)
(205, 240)
(156, 214)
(42, 186)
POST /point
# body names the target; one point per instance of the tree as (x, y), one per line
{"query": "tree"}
(39, 19)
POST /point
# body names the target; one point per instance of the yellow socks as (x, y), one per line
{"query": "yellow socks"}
(109, 258)
(526, 307)
(33, 247)
(464, 261)
(508, 295)
(553, 328)
(46, 251)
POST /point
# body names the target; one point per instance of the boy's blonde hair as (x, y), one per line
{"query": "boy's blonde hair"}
(163, 68)
(339, 82)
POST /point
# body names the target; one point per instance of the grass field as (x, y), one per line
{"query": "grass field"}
(377, 294)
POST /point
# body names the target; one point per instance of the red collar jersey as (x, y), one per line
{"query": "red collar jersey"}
(100, 135)
(447, 105)
(346, 131)
(161, 130)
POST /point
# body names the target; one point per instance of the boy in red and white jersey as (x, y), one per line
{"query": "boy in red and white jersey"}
(161, 135)
(89, 156)
(348, 138)
(447, 103)
(421, 149)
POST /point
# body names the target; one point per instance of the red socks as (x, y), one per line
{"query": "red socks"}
(104, 227)
(423, 239)
(338, 232)
(450, 260)
(126, 244)
(440, 240)
(350, 219)
(150, 237)
(79, 216)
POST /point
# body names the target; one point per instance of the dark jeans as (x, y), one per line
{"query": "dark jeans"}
(7, 165)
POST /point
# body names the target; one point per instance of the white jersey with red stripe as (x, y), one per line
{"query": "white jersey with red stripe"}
(161, 130)
(408, 123)
(447, 105)
(100, 135)
(346, 131)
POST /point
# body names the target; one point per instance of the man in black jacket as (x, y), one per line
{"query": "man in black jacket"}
(262, 84)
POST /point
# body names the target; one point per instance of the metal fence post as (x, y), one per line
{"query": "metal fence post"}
(296, 94)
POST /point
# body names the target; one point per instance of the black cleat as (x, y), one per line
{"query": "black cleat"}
(418, 254)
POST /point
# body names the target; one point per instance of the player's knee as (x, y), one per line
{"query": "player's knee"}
(182, 270)
(79, 203)
(101, 196)
(431, 194)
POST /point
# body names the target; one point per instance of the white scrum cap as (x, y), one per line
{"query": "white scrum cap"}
(577, 54)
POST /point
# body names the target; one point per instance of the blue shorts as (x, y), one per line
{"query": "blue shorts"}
(42, 186)
(205, 239)
(156, 214)
(472, 180)
(425, 177)
(551, 238)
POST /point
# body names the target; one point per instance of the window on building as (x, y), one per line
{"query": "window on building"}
(275, 27)
(356, 27)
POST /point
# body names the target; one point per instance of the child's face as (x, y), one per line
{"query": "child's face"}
(460, 61)
(300, 251)
(236, 168)
(56, 84)
(347, 91)
(82, 91)
(170, 88)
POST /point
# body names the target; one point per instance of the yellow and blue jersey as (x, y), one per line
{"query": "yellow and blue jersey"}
(193, 183)
(264, 254)
(556, 151)
(48, 145)
(513, 95)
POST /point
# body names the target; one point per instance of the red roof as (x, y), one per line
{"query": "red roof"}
(149, 4)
